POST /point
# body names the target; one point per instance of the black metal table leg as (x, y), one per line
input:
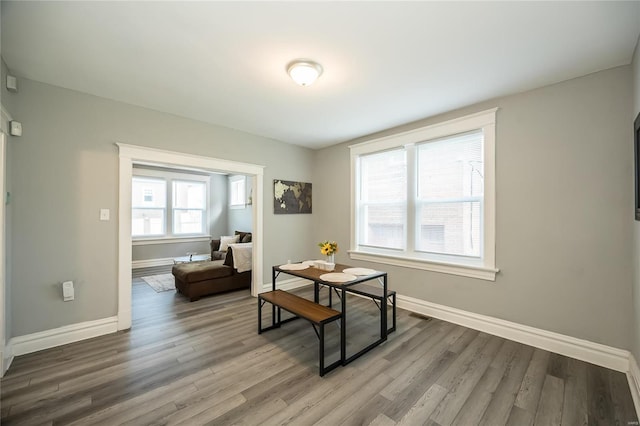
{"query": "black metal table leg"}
(343, 328)
(383, 310)
(393, 296)
(273, 287)
(321, 345)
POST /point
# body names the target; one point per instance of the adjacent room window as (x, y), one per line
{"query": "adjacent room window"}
(237, 191)
(426, 198)
(149, 207)
(168, 204)
(189, 207)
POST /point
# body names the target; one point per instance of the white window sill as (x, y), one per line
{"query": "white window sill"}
(472, 271)
(170, 240)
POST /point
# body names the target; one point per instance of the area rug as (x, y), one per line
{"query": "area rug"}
(159, 283)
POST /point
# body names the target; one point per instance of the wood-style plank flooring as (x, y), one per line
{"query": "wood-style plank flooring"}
(204, 363)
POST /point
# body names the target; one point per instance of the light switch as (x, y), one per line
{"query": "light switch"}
(67, 291)
(104, 214)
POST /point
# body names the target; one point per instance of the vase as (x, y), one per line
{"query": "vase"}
(331, 258)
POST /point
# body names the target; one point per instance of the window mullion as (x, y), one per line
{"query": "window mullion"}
(170, 192)
(412, 190)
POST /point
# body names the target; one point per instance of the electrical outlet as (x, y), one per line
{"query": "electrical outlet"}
(104, 214)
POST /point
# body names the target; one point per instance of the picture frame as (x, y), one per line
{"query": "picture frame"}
(636, 156)
(290, 197)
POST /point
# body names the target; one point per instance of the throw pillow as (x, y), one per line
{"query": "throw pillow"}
(226, 240)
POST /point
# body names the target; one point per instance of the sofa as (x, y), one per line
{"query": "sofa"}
(216, 254)
(197, 279)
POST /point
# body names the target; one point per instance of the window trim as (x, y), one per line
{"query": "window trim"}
(169, 178)
(483, 268)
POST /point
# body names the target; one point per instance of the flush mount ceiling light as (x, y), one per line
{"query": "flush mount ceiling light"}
(304, 72)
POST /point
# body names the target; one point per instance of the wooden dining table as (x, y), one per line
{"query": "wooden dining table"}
(342, 288)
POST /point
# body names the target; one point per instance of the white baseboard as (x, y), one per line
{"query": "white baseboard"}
(633, 377)
(34, 342)
(150, 263)
(290, 284)
(6, 358)
(595, 353)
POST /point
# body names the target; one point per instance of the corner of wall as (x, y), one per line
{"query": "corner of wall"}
(635, 343)
(633, 377)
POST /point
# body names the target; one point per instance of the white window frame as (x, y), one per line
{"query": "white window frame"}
(482, 268)
(142, 207)
(233, 180)
(170, 177)
(204, 209)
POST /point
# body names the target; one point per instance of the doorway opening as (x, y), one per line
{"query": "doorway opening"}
(130, 155)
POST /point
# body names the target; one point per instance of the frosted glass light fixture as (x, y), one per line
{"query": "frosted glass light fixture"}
(304, 72)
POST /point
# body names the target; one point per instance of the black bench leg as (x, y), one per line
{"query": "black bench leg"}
(273, 315)
(321, 349)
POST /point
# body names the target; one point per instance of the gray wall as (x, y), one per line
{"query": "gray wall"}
(168, 249)
(564, 237)
(219, 197)
(636, 225)
(65, 168)
(7, 99)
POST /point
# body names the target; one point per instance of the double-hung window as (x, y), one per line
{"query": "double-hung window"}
(237, 191)
(426, 198)
(168, 204)
(149, 203)
(189, 207)
(383, 200)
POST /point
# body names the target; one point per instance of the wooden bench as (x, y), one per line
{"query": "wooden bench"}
(315, 313)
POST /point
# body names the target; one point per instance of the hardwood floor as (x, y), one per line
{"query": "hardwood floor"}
(204, 363)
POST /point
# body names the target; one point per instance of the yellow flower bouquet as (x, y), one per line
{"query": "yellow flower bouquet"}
(328, 248)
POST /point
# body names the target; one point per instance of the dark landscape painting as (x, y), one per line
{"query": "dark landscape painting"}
(291, 197)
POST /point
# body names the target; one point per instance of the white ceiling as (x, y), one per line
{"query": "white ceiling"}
(385, 63)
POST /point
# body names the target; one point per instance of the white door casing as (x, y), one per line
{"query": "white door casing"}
(132, 154)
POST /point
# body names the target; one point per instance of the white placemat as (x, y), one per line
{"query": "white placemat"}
(337, 277)
(293, 266)
(359, 271)
(309, 262)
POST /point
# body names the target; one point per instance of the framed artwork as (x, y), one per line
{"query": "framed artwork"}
(291, 197)
(636, 147)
